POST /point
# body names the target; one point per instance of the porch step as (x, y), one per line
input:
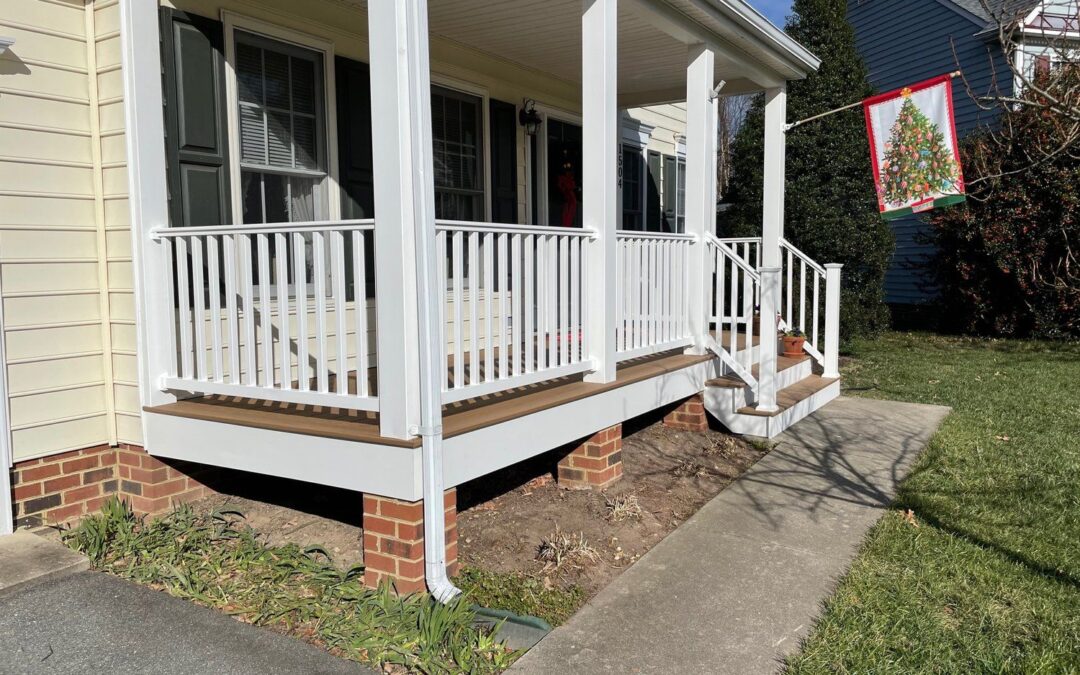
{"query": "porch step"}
(733, 381)
(792, 396)
(723, 337)
(801, 394)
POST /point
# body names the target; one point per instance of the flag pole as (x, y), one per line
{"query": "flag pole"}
(789, 127)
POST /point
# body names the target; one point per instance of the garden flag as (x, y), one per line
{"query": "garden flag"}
(913, 148)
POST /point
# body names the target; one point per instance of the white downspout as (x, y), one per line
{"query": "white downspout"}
(427, 298)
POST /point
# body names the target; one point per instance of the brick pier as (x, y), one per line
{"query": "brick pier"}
(595, 463)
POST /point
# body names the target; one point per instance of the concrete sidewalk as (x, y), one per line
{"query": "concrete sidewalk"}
(734, 588)
(90, 622)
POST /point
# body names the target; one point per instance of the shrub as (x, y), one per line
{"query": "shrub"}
(830, 211)
(1006, 261)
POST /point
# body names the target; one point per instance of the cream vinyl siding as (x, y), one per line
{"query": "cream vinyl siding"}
(50, 268)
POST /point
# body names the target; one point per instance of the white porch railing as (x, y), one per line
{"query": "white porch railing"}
(651, 273)
(735, 288)
(514, 301)
(278, 312)
(801, 306)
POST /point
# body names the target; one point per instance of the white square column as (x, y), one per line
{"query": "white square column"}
(701, 128)
(404, 201)
(772, 207)
(600, 152)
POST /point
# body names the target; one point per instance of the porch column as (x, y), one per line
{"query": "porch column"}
(772, 217)
(400, 87)
(700, 185)
(147, 197)
(600, 152)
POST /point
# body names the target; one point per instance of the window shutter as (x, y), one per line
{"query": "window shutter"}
(195, 137)
(670, 194)
(504, 197)
(653, 212)
(356, 170)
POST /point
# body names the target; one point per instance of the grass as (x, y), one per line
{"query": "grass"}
(218, 561)
(520, 593)
(977, 566)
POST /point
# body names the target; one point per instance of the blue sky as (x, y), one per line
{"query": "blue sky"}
(775, 10)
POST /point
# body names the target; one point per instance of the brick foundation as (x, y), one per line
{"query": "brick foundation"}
(689, 416)
(60, 489)
(595, 463)
(394, 541)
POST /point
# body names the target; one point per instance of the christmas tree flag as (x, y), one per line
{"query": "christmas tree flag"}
(913, 148)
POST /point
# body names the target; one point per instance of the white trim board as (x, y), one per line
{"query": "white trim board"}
(7, 525)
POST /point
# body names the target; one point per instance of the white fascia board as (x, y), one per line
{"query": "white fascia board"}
(799, 57)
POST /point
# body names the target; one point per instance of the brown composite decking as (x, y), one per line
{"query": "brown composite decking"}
(458, 418)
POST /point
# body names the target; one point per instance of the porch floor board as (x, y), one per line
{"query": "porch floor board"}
(458, 418)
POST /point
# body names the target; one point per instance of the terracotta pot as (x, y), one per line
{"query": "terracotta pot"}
(793, 346)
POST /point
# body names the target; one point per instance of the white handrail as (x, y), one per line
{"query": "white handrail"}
(729, 252)
(265, 228)
(472, 226)
(784, 243)
(638, 234)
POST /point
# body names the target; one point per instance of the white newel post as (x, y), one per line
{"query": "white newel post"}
(397, 75)
(147, 196)
(772, 216)
(770, 300)
(832, 320)
(600, 152)
(700, 185)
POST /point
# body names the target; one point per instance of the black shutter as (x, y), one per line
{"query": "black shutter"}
(670, 194)
(653, 212)
(355, 168)
(195, 137)
(504, 197)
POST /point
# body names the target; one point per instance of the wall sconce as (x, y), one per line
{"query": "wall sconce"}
(529, 118)
(5, 42)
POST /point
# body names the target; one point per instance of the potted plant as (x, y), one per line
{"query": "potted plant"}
(793, 342)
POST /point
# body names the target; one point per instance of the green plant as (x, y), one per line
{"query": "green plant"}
(1007, 261)
(217, 560)
(520, 593)
(830, 209)
(794, 333)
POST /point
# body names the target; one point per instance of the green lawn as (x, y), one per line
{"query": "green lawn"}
(986, 576)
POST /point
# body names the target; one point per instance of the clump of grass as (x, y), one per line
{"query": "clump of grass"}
(218, 561)
(521, 593)
(688, 468)
(725, 446)
(622, 507)
(560, 549)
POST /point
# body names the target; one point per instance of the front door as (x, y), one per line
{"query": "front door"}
(563, 174)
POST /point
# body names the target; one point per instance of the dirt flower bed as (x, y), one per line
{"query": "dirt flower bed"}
(520, 534)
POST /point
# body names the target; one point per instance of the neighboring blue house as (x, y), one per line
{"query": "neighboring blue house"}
(905, 41)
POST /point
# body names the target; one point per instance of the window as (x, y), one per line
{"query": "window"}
(632, 170)
(280, 111)
(457, 143)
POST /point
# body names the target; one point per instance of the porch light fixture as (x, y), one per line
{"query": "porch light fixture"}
(529, 118)
(5, 42)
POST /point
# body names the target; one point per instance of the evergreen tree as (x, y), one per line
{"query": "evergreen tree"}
(917, 162)
(830, 207)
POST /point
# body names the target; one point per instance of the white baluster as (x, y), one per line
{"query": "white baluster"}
(300, 282)
(198, 288)
(517, 310)
(214, 257)
(360, 311)
(231, 308)
(281, 258)
(459, 353)
(503, 273)
(489, 280)
(337, 290)
(474, 299)
(266, 328)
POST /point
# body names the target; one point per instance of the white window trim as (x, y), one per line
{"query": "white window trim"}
(233, 22)
(465, 87)
(635, 134)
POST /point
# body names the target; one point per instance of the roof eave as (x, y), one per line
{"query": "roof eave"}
(797, 57)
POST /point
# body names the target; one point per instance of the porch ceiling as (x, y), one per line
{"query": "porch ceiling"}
(545, 35)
